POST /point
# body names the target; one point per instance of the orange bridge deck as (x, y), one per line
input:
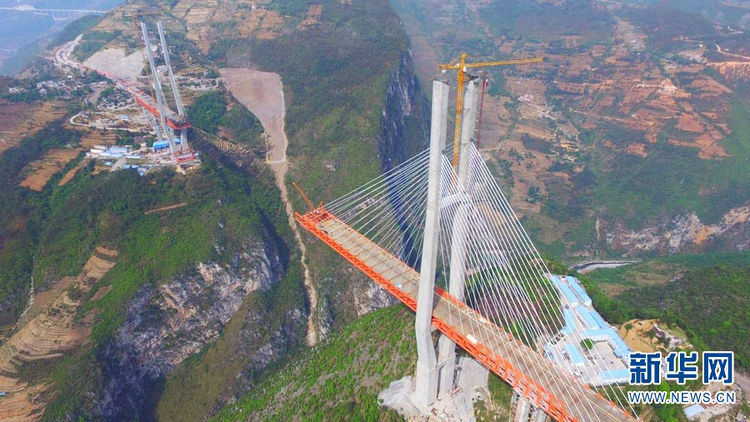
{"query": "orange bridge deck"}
(523, 368)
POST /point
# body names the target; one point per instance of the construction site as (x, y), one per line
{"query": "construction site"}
(166, 144)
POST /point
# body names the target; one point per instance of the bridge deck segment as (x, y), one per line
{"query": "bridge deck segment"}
(523, 368)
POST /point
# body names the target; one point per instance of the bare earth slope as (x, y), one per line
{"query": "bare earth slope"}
(263, 94)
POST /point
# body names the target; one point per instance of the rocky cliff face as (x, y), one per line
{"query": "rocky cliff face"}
(405, 125)
(404, 131)
(682, 233)
(171, 322)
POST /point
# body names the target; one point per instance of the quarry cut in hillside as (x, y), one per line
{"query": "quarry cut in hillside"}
(263, 94)
(116, 62)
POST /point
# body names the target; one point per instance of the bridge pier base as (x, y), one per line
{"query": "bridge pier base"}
(523, 409)
(539, 415)
(446, 365)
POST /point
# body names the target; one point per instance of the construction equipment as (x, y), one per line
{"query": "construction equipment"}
(304, 196)
(461, 67)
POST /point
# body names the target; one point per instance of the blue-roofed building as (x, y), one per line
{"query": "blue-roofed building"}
(565, 290)
(570, 321)
(575, 354)
(621, 349)
(599, 320)
(609, 335)
(160, 145)
(694, 410)
(587, 317)
(581, 318)
(579, 290)
(614, 376)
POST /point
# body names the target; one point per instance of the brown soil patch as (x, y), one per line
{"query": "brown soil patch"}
(23, 402)
(689, 123)
(637, 149)
(264, 24)
(733, 70)
(271, 26)
(42, 300)
(263, 94)
(97, 137)
(204, 20)
(313, 16)
(67, 177)
(20, 120)
(709, 86)
(40, 171)
(635, 96)
(639, 337)
(166, 208)
(708, 143)
(495, 122)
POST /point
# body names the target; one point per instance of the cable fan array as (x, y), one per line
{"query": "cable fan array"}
(486, 261)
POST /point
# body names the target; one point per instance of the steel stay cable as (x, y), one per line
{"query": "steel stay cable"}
(522, 235)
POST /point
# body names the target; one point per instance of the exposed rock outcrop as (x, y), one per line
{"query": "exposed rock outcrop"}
(405, 122)
(683, 233)
(168, 323)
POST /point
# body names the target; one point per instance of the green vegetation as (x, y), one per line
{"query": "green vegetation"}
(659, 271)
(79, 26)
(225, 209)
(587, 344)
(334, 92)
(243, 125)
(670, 180)
(338, 379)
(92, 42)
(665, 23)
(24, 213)
(207, 110)
(27, 96)
(710, 298)
(50, 234)
(209, 113)
(546, 22)
(335, 97)
(497, 408)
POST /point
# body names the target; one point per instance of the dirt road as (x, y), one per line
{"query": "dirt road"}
(263, 94)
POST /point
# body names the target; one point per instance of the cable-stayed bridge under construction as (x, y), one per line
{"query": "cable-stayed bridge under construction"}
(444, 240)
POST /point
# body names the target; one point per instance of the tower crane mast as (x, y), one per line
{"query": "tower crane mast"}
(462, 66)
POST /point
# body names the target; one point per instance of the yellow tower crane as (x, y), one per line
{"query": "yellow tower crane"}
(461, 67)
